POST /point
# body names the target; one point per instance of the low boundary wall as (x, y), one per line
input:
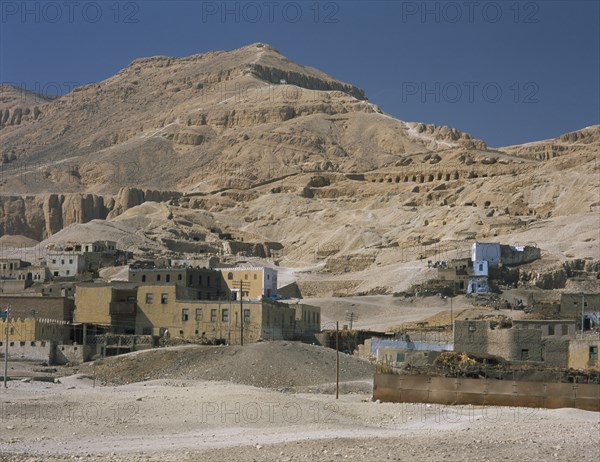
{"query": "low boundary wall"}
(445, 390)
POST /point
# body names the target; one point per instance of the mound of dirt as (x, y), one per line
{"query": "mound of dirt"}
(278, 365)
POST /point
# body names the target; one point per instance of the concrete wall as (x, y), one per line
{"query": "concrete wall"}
(403, 356)
(443, 390)
(73, 354)
(377, 344)
(30, 350)
(14, 286)
(30, 330)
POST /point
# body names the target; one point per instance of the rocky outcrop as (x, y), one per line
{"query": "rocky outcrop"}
(43, 215)
(276, 75)
(127, 198)
(558, 276)
(38, 217)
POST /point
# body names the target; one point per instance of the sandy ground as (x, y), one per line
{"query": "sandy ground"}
(179, 420)
(382, 312)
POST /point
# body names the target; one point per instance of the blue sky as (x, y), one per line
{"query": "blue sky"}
(507, 72)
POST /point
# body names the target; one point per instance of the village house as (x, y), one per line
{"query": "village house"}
(162, 309)
(74, 258)
(472, 275)
(199, 283)
(35, 305)
(17, 275)
(551, 342)
(258, 282)
(573, 304)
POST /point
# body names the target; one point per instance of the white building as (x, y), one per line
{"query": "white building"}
(478, 285)
(489, 252)
(65, 264)
(481, 268)
(72, 258)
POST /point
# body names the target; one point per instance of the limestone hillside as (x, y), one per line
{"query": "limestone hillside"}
(247, 153)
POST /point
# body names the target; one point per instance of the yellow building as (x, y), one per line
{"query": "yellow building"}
(106, 304)
(160, 309)
(583, 354)
(257, 282)
(31, 330)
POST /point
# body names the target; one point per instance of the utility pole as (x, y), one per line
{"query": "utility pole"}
(337, 360)
(351, 317)
(6, 346)
(242, 286)
(582, 312)
(451, 323)
(229, 323)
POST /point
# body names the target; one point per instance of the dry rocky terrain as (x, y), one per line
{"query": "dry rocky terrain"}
(228, 415)
(172, 154)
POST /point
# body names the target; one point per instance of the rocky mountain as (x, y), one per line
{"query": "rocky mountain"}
(254, 156)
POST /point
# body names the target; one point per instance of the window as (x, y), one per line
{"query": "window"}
(213, 315)
(143, 278)
(68, 272)
(179, 277)
(147, 331)
(246, 276)
(551, 329)
(230, 276)
(594, 353)
(164, 298)
(62, 262)
(190, 280)
(185, 314)
(70, 261)
(268, 276)
(246, 315)
(168, 278)
(524, 355)
(255, 277)
(400, 357)
(225, 315)
(158, 277)
(149, 298)
(480, 266)
(198, 314)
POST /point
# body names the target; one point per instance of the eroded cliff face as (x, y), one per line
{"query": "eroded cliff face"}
(40, 216)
